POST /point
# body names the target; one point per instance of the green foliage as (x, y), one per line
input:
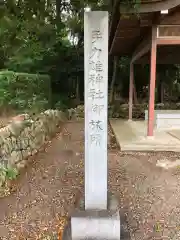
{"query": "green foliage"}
(22, 91)
(132, 4)
(25, 49)
(8, 173)
(11, 173)
(136, 4)
(47, 37)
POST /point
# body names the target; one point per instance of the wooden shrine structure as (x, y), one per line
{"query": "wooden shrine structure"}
(149, 36)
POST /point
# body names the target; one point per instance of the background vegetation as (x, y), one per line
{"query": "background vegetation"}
(41, 47)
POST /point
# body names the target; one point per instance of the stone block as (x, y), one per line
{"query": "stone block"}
(16, 127)
(21, 164)
(113, 207)
(24, 136)
(161, 111)
(13, 143)
(6, 148)
(168, 120)
(4, 133)
(15, 157)
(95, 224)
(26, 152)
(2, 177)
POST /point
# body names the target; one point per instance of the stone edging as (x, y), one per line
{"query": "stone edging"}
(24, 136)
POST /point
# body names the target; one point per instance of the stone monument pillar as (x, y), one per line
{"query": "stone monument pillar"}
(96, 94)
(97, 215)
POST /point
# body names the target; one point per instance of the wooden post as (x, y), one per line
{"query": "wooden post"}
(131, 83)
(152, 82)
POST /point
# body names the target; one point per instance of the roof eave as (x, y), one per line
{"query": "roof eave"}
(150, 7)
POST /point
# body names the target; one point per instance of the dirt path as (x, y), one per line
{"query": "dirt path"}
(47, 188)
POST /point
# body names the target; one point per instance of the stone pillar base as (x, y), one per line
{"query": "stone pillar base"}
(97, 224)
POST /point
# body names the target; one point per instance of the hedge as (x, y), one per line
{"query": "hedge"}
(22, 91)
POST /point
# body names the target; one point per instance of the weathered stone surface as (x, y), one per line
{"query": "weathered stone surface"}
(15, 157)
(2, 177)
(97, 219)
(26, 153)
(14, 143)
(21, 164)
(33, 151)
(95, 224)
(39, 140)
(32, 145)
(16, 127)
(6, 147)
(24, 142)
(24, 136)
(95, 133)
(5, 133)
(113, 205)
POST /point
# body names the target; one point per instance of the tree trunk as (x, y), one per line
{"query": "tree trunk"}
(58, 10)
(77, 91)
(111, 95)
(135, 94)
(162, 92)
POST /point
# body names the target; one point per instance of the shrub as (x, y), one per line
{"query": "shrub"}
(22, 91)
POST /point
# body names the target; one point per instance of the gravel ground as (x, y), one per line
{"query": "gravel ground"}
(47, 188)
(148, 193)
